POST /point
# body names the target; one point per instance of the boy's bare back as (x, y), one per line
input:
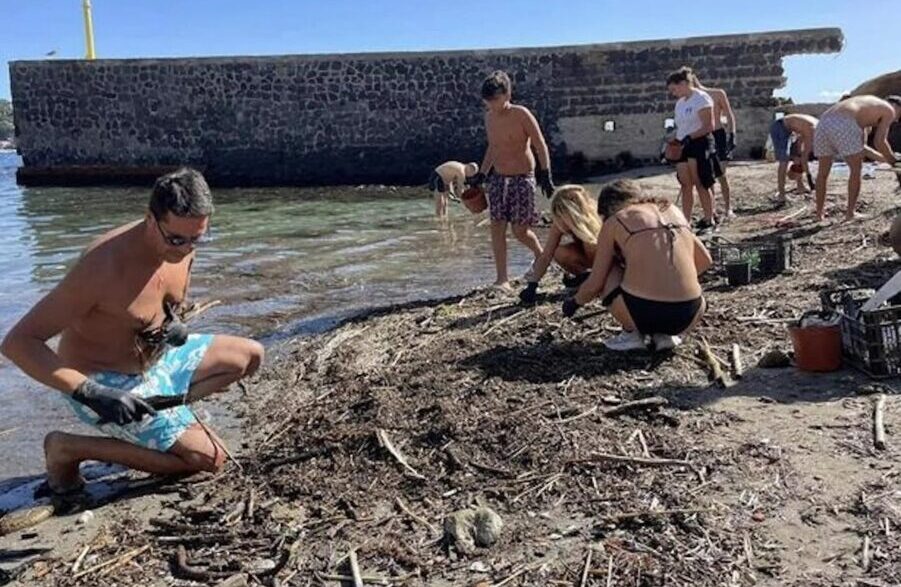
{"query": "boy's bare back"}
(509, 133)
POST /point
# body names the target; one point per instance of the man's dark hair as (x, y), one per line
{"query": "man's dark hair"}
(894, 100)
(496, 84)
(183, 193)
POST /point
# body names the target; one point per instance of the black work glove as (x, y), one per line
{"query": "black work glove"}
(529, 294)
(731, 141)
(112, 405)
(543, 177)
(570, 306)
(810, 182)
(476, 180)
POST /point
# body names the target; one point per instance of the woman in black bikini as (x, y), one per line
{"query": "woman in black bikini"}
(646, 269)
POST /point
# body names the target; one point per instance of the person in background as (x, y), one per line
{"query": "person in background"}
(448, 180)
(698, 167)
(574, 216)
(645, 269)
(724, 141)
(513, 133)
(842, 131)
(121, 346)
(792, 137)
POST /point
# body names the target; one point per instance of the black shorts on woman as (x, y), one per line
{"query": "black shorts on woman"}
(703, 151)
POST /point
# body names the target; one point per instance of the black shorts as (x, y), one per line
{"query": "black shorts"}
(721, 141)
(703, 151)
(653, 317)
(436, 183)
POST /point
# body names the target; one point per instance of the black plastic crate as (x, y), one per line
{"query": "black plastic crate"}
(871, 341)
(770, 256)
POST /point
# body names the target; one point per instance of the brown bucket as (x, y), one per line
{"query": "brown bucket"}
(817, 348)
(474, 199)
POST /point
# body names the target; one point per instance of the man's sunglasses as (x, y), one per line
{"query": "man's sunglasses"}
(174, 240)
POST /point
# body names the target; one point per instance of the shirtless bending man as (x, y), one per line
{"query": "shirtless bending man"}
(792, 137)
(119, 346)
(512, 133)
(723, 140)
(842, 133)
(448, 179)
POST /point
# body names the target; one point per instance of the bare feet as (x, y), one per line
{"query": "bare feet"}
(502, 287)
(854, 216)
(63, 475)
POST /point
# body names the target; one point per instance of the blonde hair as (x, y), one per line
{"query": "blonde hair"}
(574, 203)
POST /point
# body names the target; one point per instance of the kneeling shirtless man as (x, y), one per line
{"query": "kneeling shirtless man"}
(120, 344)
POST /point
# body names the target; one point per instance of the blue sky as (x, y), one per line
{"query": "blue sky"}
(144, 28)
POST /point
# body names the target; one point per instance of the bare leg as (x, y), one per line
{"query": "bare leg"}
(525, 235)
(687, 187)
(499, 248)
(822, 177)
(618, 308)
(194, 451)
(855, 164)
(780, 179)
(572, 258)
(440, 204)
(228, 359)
(703, 193)
(727, 192)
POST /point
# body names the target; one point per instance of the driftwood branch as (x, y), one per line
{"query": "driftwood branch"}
(188, 571)
(878, 422)
(717, 375)
(113, 562)
(385, 442)
(737, 366)
(640, 461)
(649, 403)
(355, 569)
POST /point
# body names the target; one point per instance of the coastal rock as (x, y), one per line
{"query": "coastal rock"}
(469, 528)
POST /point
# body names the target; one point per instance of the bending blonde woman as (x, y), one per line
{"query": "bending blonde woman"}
(575, 216)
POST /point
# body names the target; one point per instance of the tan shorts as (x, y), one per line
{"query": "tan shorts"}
(837, 136)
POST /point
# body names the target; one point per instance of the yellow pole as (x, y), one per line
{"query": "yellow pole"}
(88, 29)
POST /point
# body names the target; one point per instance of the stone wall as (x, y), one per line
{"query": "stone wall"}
(379, 118)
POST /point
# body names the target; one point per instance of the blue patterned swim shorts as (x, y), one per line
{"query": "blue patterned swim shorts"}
(171, 375)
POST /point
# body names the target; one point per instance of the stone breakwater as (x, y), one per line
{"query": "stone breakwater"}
(378, 118)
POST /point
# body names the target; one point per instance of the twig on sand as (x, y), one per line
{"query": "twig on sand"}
(365, 578)
(503, 321)
(586, 569)
(113, 562)
(655, 514)
(416, 518)
(713, 363)
(355, 569)
(385, 442)
(865, 557)
(80, 559)
(648, 403)
(189, 571)
(878, 425)
(641, 461)
(737, 366)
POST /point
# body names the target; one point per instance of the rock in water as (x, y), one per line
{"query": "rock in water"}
(774, 359)
(469, 528)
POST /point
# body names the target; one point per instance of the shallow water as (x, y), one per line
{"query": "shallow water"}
(284, 261)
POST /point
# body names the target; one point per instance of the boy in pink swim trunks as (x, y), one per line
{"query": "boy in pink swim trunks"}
(512, 133)
(842, 133)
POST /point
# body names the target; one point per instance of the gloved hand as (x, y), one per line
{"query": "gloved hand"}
(810, 182)
(731, 141)
(476, 180)
(570, 306)
(529, 294)
(543, 177)
(175, 332)
(112, 405)
(685, 141)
